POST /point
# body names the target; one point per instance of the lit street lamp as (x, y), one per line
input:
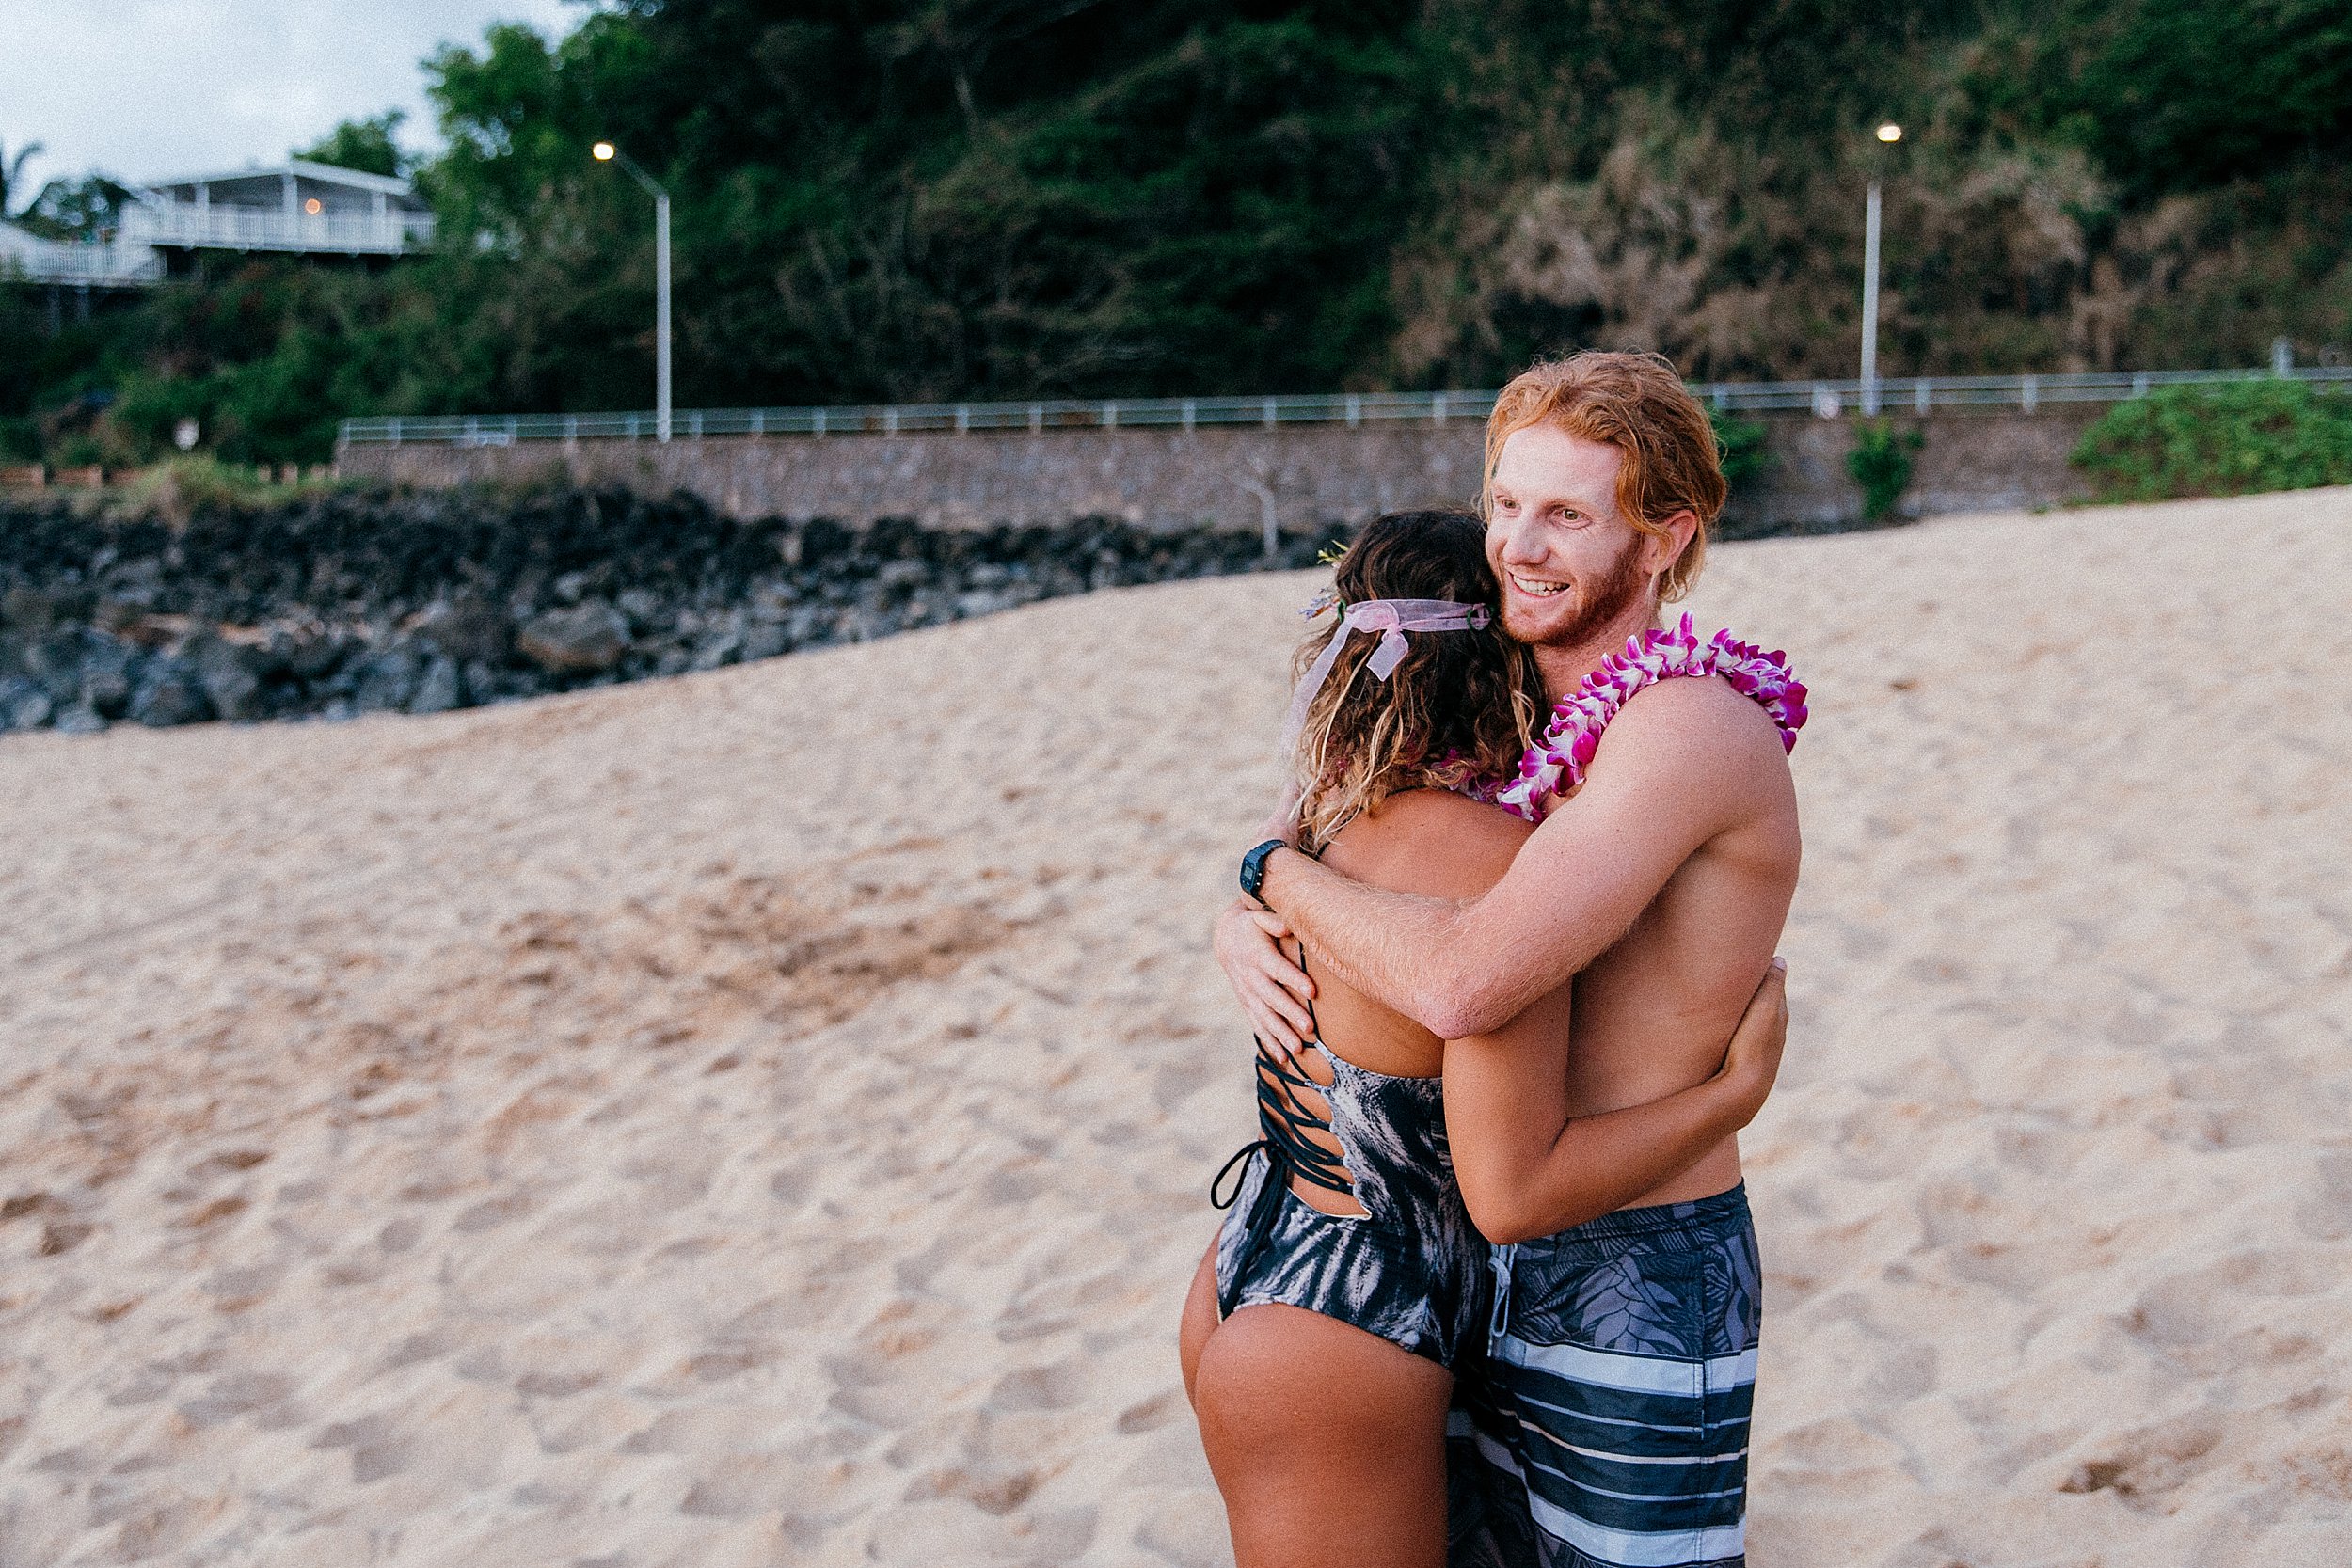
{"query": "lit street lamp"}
(606, 153)
(1889, 133)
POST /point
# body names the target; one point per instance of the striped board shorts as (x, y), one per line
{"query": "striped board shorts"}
(1607, 1423)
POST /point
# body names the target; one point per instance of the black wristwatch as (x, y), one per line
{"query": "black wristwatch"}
(1253, 866)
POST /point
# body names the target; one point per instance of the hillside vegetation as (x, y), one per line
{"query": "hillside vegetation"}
(902, 200)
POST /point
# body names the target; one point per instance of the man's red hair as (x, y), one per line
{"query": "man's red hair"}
(1636, 404)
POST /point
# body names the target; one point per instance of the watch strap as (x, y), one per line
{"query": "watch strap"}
(1253, 866)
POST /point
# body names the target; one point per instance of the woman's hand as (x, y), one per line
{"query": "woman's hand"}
(1752, 1062)
(1273, 991)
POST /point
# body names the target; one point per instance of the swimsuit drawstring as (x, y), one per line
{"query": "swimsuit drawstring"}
(1241, 1157)
(1499, 1260)
(1261, 1214)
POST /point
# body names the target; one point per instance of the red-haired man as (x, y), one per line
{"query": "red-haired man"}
(1612, 1412)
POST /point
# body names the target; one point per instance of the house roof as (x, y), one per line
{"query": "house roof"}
(302, 169)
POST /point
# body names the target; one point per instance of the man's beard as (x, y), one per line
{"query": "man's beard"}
(1599, 602)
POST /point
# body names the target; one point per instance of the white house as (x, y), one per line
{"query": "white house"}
(296, 206)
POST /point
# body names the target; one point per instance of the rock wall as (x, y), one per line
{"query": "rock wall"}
(687, 556)
(424, 602)
(1306, 477)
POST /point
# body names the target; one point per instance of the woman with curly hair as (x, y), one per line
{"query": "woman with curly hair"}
(1325, 1326)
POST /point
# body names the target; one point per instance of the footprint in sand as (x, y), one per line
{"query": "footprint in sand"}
(378, 1447)
(1054, 1388)
(731, 1489)
(2143, 1465)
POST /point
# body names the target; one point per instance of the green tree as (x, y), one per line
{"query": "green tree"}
(12, 174)
(369, 146)
(968, 199)
(2173, 95)
(84, 209)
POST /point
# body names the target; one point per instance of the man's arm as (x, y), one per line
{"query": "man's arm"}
(1684, 761)
(1527, 1168)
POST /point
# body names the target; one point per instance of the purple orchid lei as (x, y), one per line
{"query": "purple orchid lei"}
(1556, 764)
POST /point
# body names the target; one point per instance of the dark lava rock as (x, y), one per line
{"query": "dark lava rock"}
(313, 656)
(482, 681)
(468, 631)
(26, 609)
(388, 681)
(439, 689)
(348, 602)
(227, 674)
(106, 692)
(107, 665)
(168, 693)
(56, 662)
(589, 637)
(24, 704)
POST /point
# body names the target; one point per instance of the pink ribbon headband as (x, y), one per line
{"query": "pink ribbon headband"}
(1393, 619)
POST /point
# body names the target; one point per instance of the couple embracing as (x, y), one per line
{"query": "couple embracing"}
(1486, 1291)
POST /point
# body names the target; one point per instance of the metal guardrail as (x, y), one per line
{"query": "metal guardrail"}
(1825, 398)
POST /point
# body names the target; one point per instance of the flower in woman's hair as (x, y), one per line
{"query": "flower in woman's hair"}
(1328, 599)
(1330, 554)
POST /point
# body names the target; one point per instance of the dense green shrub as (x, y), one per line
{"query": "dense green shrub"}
(181, 487)
(2224, 440)
(1881, 461)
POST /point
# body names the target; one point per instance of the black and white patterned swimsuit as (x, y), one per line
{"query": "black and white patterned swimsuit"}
(1411, 1268)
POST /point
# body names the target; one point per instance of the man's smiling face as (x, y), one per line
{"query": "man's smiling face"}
(1568, 562)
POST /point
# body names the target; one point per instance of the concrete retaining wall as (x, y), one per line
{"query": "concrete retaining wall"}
(1968, 463)
(1306, 476)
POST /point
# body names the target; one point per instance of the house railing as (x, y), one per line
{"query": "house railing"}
(226, 228)
(1824, 399)
(107, 266)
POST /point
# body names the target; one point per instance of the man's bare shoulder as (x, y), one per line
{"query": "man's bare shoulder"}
(1687, 759)
(1695, 719)
(1430, 842)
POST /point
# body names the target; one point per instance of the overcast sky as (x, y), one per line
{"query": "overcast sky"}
(149, 89)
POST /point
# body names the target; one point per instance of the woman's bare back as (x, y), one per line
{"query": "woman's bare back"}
(1424, 840)
(1432, 842)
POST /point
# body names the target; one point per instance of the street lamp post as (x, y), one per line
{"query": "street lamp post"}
(605, 152)
(1889, 133)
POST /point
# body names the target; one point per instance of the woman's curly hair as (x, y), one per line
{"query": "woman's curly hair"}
(1461, 705)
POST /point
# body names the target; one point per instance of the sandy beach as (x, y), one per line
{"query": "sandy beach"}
(765, 1117)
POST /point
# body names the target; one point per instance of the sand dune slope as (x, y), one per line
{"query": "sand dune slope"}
(763, 1117)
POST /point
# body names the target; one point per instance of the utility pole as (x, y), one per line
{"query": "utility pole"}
(605, 152)
(662, 315)
(1889, 133)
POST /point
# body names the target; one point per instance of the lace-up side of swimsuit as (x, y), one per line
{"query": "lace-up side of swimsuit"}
(1397, 1255)
(1286, 1125)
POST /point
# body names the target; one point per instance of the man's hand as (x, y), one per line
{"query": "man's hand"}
(1273, 991)
(1753, 1061)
